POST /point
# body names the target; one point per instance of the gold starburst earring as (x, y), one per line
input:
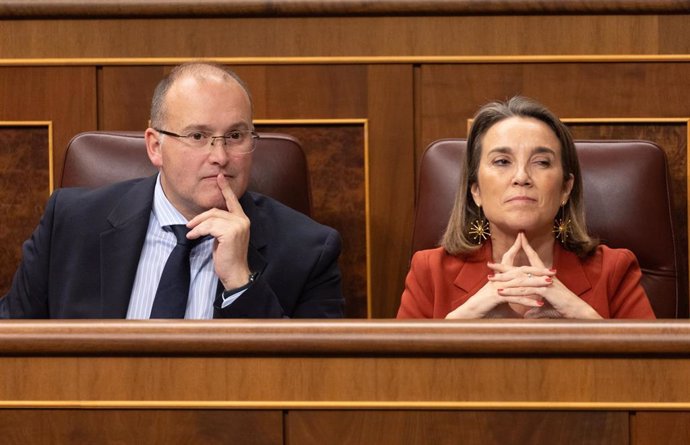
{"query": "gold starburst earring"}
(479, 228)
(561, 225)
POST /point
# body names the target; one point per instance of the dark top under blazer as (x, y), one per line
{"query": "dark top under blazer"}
(82, 259)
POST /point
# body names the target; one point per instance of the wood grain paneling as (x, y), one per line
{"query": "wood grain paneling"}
(453, 93)
(24, 186)
(391, 179)
(281, 8)
(660, 427)
(471, 365)
(335, 158)
(124, 96)
(342, 36)
(78, 426)
(453, 427)
(66, 96)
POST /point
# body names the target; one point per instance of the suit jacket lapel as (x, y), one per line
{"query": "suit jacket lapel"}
(258, 238)
(121, 247)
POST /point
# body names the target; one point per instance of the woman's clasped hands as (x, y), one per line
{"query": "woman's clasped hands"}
(531, 291)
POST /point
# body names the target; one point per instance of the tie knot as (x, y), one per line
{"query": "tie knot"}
(180, 231)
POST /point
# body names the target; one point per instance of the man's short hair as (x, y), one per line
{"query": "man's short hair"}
(190, 69)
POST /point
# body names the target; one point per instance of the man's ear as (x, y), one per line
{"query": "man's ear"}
(153, 147)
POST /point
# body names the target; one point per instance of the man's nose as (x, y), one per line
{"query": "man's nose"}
(218, 154)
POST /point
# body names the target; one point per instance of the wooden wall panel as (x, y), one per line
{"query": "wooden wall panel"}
(452, 93)
(24, 186)
(452, 427)
(344, 36)
(64, 95)
(391, 182)
(335, 158)
(79, 426)
(124, 96)
(652, 428)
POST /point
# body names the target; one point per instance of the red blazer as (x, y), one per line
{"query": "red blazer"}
(608, 280)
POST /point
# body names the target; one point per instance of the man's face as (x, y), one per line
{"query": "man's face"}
(208, 105)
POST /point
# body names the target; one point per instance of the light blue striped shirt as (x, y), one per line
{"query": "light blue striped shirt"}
(159, 243)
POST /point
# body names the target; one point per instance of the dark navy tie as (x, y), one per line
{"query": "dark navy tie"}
(173, 289)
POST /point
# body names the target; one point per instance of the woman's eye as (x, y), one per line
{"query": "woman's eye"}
(543, 162)
(500, 162)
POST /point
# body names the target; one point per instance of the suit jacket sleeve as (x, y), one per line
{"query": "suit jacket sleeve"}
(627, 298)
(28, 296)
(417, 298)
(319, 296)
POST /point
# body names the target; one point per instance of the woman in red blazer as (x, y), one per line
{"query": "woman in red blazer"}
(516, 244)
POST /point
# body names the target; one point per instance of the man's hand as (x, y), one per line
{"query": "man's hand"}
(230, 230)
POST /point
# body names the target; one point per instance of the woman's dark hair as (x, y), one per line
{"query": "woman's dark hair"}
(456, 239)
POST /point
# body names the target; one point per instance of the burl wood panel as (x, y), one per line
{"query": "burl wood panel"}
(454, 427)
(335, 158)
(668, 428)
(66, 96)
(24, 188)
(113, 426)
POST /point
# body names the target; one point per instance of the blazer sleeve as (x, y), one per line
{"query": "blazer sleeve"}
(320, 297)
(627, 298)
(418, 295)
(28, 296)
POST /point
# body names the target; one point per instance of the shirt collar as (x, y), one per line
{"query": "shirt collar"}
(163, 210)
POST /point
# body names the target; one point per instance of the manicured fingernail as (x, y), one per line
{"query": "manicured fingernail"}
(500, 290)
(552, 270)
(490, 276)
(548, 279)
(540, 303)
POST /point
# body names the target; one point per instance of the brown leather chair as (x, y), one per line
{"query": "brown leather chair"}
(627, 201)
(96, 158)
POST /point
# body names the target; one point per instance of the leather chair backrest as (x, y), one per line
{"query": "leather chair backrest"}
(96, 158)
(627, 202)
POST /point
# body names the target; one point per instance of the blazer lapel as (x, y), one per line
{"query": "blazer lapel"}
(121, 247)
(472, 275)
(570, 272)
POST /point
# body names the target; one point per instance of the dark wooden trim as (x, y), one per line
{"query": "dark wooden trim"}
(346, 337)
(320, 8)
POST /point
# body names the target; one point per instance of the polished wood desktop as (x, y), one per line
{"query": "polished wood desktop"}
(345, 381)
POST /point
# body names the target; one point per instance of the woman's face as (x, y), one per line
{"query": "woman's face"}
(520, 179)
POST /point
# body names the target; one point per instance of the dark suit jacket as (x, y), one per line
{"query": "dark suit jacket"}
(82, 258)
(608, 280)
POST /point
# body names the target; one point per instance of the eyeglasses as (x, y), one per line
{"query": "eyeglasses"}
(238, 141)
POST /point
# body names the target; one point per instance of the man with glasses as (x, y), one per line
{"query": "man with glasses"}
(190, 242)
